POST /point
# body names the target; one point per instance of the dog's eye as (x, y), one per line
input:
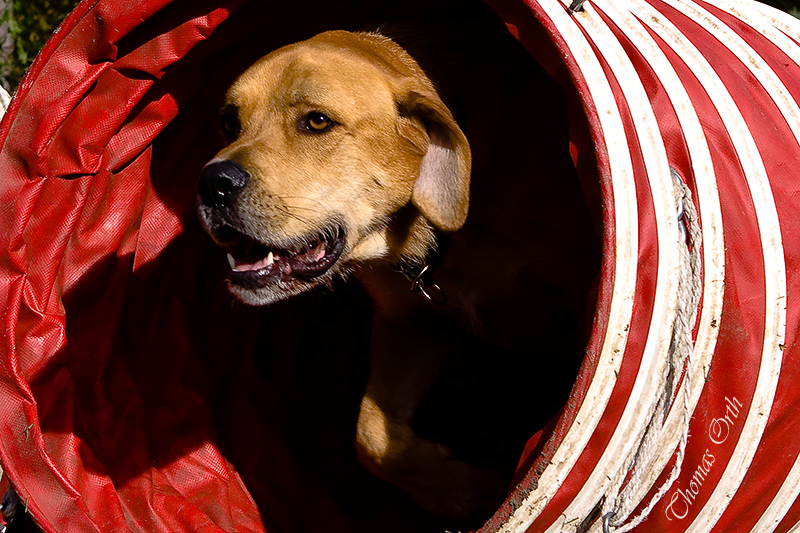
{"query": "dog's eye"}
(316, 122)
(229, 122)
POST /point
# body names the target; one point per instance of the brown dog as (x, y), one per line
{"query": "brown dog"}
(343, 158)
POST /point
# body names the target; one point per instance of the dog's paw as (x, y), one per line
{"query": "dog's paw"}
(456, 490)
(427, 471)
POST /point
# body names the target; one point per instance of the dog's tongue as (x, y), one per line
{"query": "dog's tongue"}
(243, 265)
(272, 259)
(313, 255)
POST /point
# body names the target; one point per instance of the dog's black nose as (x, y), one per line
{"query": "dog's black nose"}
(221, 182)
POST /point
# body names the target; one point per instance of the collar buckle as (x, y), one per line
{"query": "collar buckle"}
(423, 282)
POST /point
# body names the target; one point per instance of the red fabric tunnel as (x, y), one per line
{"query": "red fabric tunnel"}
(129, 397)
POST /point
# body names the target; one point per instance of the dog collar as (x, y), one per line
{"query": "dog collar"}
(421, 278)
(420, 274)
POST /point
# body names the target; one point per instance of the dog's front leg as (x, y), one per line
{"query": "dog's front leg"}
(405, 361)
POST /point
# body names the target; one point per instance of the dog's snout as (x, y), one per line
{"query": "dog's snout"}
(221, 183)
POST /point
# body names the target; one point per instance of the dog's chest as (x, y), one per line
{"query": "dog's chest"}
(495, 297)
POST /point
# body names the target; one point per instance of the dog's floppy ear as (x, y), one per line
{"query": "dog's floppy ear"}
(441, 192)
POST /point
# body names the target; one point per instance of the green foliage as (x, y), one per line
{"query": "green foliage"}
(790, 6)
(30, 24)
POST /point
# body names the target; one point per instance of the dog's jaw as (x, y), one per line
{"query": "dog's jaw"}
(262, 273)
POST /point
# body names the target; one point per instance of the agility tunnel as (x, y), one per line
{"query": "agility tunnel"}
(128, 401)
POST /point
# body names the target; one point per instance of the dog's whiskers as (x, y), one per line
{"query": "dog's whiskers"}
(283, 198)
(287, 210)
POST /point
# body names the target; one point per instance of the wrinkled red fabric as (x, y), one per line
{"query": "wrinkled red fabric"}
(125, 374)
(129, 397)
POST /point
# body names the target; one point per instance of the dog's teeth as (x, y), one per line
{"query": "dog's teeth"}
(270, 259)
(232, 261)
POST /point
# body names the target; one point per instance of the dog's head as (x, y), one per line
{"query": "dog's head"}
(329, 140)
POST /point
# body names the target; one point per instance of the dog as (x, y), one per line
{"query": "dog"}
(342, 159)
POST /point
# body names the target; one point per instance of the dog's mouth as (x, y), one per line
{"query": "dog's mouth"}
(255, 264)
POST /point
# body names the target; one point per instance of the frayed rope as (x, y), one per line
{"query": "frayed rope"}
(620, 501)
